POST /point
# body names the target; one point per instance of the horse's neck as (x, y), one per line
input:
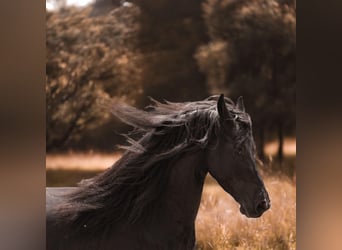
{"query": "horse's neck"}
(174, 219)
(183, 194)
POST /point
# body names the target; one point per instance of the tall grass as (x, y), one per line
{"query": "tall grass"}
(220, 225)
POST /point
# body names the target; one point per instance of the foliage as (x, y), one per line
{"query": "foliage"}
(88, 59)
(252, 53)
(174, 50)
(170, 33)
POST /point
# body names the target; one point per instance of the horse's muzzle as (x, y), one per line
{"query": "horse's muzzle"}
(260, 207)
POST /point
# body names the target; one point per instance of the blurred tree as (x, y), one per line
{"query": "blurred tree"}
(88, 59)
(175, 50)
(252, 46)
(122, 51)
(103, 7)
(170, 33)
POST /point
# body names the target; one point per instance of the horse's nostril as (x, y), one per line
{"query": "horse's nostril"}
(262, 206)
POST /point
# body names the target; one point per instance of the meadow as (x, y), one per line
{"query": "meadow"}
(219, 223)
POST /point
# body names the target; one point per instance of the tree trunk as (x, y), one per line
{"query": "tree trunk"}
(261, 144)
(281, 142)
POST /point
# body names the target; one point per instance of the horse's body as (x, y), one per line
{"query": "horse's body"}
(149, 199)
(169, 226)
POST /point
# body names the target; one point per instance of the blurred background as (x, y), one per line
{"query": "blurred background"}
(172, 50)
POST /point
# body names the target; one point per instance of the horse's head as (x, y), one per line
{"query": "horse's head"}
(233, 161)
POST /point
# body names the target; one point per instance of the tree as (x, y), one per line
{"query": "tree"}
(170, 34)
(88, 60)
(257, 60)
(146, 47)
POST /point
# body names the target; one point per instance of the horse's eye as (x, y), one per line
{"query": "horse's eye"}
(239, 150)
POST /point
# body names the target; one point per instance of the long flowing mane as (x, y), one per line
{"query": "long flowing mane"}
(129, 190)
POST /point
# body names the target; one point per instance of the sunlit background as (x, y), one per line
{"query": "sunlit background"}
(53, 5)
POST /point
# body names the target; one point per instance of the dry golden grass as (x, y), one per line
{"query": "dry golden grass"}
(220, 225)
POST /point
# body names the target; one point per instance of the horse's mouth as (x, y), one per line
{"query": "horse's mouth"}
(250, 215)
(243, 211)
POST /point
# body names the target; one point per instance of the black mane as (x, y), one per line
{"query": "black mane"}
(131, 187)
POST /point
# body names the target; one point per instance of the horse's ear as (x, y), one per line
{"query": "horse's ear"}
(222, 109)
(239, 104)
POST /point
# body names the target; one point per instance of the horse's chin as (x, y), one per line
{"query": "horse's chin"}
(249, 215)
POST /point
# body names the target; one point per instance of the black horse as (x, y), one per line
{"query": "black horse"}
(150, 197)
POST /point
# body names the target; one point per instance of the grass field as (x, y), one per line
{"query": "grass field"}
(219, 224)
